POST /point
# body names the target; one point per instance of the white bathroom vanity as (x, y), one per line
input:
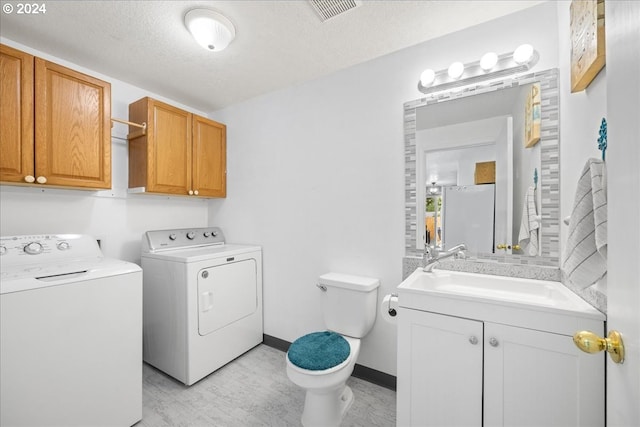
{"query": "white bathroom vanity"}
(482, 350)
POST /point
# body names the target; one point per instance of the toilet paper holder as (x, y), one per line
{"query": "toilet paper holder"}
(392, 311)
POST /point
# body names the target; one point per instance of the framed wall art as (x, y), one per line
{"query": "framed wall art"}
(532, 116)
(587, 42)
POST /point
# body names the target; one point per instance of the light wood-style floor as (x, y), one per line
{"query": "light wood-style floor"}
(253, 390)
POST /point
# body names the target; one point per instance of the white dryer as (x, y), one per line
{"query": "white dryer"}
(202, 301)
(70, 334)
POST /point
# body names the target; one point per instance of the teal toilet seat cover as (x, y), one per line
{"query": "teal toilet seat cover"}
(318, 351)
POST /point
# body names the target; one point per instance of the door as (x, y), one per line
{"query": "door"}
(73, 127)
(16, 115)
(504, 187)
(439, 370)
(209, 158)
(226, 293)
(540, 379)
(467, 217)
(623, 158)
(169, 151)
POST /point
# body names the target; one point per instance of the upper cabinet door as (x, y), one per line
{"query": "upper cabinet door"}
(16, 115)
(209, 158)
(73, 127)
(169, 149)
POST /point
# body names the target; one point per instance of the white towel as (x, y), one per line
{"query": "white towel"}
(529, 224)
(585, 256)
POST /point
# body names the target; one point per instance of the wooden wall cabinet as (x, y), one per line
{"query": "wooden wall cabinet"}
(56, 124)
(179, 154)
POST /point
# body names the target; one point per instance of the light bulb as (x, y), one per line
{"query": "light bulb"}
(488, 61)
(523, 54)
(455, 70)
(427, 77)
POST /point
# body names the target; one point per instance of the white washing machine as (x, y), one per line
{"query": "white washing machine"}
(202, 301)
(70, 334)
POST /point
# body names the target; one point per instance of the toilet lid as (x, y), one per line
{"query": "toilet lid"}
(318, 351)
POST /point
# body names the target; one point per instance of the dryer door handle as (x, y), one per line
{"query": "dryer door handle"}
(206, 301)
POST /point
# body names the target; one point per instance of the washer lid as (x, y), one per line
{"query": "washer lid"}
(20, 278)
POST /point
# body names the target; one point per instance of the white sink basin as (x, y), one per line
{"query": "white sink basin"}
(486, 286)
(496, 298)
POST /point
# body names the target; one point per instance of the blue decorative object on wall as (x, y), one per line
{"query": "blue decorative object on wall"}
(535, 178)
(602, 141)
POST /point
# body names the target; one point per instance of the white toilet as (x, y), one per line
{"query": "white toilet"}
(321, 362)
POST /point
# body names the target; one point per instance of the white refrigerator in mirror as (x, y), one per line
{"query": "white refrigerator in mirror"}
(468, 217)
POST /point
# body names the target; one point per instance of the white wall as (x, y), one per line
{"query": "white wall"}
(316, 173)
(113, 217)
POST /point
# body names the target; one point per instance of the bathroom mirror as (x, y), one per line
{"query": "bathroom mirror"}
(469, 163)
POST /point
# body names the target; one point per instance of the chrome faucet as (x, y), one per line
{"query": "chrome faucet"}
(432, 255)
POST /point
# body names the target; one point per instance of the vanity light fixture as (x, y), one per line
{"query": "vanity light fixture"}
(211, 30)
(489, 67)
(455, 70)
(488, 61)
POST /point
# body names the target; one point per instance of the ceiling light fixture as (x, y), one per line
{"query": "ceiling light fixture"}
(211, 30)
(490, 66)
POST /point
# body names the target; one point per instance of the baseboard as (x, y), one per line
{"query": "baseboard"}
(364, 373)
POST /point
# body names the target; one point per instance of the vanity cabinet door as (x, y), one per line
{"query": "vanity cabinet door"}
(540, 379)
(439, 370)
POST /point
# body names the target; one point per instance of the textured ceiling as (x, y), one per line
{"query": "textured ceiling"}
(278, 43)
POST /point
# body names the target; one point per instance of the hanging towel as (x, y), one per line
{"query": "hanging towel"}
(529, 224)
(585, 256)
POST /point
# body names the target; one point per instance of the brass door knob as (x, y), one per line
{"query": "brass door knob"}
(501, 246)
(589, 342)
(516, 247)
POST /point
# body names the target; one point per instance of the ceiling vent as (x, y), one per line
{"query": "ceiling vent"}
(327, 9)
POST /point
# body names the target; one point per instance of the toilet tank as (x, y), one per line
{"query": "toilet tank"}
(349, 303)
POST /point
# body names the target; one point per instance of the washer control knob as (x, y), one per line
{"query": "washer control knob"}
(191, 235)
(214, 233)
(3, 250)
(63, 246)
(33, 248)
(207, 234)
(172, 236)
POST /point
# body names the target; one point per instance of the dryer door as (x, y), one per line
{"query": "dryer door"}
(226, 293)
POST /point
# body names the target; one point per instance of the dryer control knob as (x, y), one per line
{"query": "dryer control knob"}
(33, 248)
(3, 250)
(172, 236)
(191, 235)
(214, 233)
(207, 234)
(63, 246)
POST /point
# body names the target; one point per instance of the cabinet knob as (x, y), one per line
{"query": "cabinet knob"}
(473, 339)
(493, 342)
(41, 180)
(191, 192)
(29, 178)
(195, 192)
(589, 342)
